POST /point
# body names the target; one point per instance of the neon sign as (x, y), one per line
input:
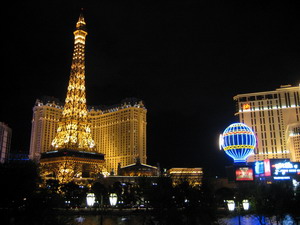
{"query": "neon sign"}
(284, 168)
(238, 141)
(244, 174)
(259, 168)
(246, 106)
(282, 178)
(267, 167)
(278, 169)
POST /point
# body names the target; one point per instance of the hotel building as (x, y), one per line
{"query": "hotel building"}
(274, 116)
(46, 114)
(119, 131)
(5, 141)
(193, 176)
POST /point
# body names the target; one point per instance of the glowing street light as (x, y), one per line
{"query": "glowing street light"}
(231, 207)
(246, 204)
(90, 199)
(113, 198)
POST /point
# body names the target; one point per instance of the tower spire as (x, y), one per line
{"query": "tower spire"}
(74, 130)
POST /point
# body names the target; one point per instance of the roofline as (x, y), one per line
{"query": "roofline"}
(134, 164)
(282, 88)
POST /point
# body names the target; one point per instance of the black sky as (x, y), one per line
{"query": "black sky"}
(185, 59)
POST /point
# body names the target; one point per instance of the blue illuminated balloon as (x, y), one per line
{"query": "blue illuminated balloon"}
(238, 141)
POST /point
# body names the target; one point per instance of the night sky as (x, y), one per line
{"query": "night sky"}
(185, 59)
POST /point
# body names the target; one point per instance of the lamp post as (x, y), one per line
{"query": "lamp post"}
(90, 199)
(231, 207)
(246, 204)
(113, 199)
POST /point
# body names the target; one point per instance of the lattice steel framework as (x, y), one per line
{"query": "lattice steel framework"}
(74, 130)
(74, 157)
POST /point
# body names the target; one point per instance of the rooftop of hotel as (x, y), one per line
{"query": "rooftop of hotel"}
(125, 103)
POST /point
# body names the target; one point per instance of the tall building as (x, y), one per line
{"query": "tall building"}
(46, 114)
(118, 131)
(274, 116)
(73, 156)
(5, 140)
(293, 141)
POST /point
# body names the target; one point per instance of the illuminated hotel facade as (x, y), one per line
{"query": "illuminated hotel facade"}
(119, 131)
(274, 116)
(191, 175)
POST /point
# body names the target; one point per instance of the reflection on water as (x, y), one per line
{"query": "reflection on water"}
(148, 220)
(253, 220)
(113, 220)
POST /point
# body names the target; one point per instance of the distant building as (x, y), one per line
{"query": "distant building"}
(191, 175)
(5, 141)
(138, 169)
(274, 116)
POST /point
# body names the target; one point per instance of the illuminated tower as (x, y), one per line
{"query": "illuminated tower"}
(74, 157)
(118, 131)
(74, 130)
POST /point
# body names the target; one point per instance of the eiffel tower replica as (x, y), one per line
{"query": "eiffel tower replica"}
(73, 156)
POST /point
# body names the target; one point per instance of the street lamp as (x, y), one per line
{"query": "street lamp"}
(231, 207)
(246, 204)
(113, 199)
(90, 199)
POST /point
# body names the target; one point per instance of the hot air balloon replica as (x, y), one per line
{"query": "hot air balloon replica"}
(238, 141)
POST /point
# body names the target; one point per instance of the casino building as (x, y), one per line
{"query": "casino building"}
(274, 116)
(191, 175)
(119, 131)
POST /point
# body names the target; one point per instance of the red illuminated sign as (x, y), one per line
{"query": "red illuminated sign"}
(267, 166)
(244, 174)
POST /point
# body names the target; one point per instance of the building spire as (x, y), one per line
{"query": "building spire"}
(74, 130)
(80, 25)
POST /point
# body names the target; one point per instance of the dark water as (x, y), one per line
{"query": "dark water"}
(112, 220)
(252, 220)
(149, 220)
